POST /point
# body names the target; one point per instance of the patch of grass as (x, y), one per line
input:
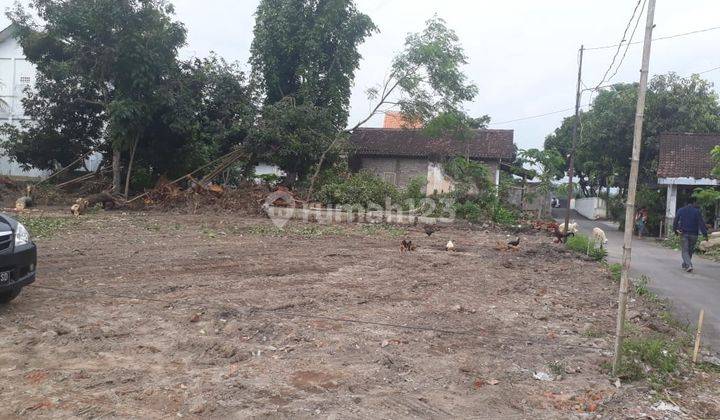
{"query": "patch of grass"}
(592, 333)
(43, 227)
(641, 286)
(557, 367)
(211, 233)
(670, 320)
(153, 226)
(317, 230)
(655, 359)
(584, 245)
(382, 229)
(615, 271)
(305, 231)
(708, 367)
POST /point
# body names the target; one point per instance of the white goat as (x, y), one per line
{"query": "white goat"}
(598, 235)
(572, 227)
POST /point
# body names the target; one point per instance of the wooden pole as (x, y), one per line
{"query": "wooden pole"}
(571, 163)
(632, 187)
(698, 335)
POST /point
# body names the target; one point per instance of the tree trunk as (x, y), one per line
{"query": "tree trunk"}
(116, 169)
(130, 166)
(311, 190)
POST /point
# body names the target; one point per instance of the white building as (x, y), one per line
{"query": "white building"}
(16, 75)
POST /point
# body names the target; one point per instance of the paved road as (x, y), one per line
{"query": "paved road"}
(689, 292)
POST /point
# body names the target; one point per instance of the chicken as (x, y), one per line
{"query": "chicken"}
(406, 245)
(430, 229)
(514, 243)
(450, 246)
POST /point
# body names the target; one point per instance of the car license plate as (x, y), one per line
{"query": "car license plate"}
(5, 276)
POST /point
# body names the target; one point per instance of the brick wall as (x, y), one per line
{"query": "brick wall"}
(399, 171)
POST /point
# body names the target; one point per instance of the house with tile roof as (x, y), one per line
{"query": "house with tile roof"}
(399, 154)
(684, 164)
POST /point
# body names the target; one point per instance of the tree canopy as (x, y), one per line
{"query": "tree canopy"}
(308, 50)
(674, 104)
(304, 56)
(107, 59)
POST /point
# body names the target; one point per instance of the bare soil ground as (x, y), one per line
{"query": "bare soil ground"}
(160, 315)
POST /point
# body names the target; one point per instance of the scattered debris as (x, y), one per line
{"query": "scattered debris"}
(665, 406)
(543, 376)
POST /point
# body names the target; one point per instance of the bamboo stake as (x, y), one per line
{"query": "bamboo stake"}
(632, 189)
(698, 335)
(80, 159)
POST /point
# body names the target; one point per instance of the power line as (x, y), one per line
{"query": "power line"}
(605, 47)
(622, 41)
(708, 71)
(627, 46)
(581, 106)
(537, 116)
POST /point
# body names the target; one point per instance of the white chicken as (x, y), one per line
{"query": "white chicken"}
(450, 246)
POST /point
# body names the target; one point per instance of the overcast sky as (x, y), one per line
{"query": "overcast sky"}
(522, 53)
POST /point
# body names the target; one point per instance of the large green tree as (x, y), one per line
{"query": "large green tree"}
(115, 54)
(606, 131)
(304, 56)
(308, 50)
(207, 110)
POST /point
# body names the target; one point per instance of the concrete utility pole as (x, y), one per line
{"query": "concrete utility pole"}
(571, 164)
(632, 186)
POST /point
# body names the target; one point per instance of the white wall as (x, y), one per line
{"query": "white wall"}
(593, 208)
(16, 74)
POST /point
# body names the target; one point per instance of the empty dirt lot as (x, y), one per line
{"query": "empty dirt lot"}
(159, 316)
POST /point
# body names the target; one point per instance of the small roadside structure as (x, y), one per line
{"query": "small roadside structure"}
(685, 163)
(399, 155)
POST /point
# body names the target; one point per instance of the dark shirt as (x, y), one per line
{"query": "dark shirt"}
(689, 220)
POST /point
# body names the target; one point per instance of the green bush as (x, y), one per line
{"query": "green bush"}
(468, 175)
(469, 211)
(504, 216)
(584, 245)
(415, 190)
(361, 189)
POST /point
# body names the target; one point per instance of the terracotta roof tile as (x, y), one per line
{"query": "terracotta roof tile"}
(396, 120)
(486, 144)
(686, 155)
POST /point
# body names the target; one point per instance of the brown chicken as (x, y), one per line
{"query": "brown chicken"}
(406, 245)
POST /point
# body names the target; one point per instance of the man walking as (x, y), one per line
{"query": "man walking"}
(688, 223)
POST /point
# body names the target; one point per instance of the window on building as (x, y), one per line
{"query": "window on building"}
(390, 177)
(26, 79)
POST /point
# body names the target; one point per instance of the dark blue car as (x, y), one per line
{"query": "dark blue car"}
(18, 258)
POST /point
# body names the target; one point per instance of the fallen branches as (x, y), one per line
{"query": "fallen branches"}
(222, 162)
